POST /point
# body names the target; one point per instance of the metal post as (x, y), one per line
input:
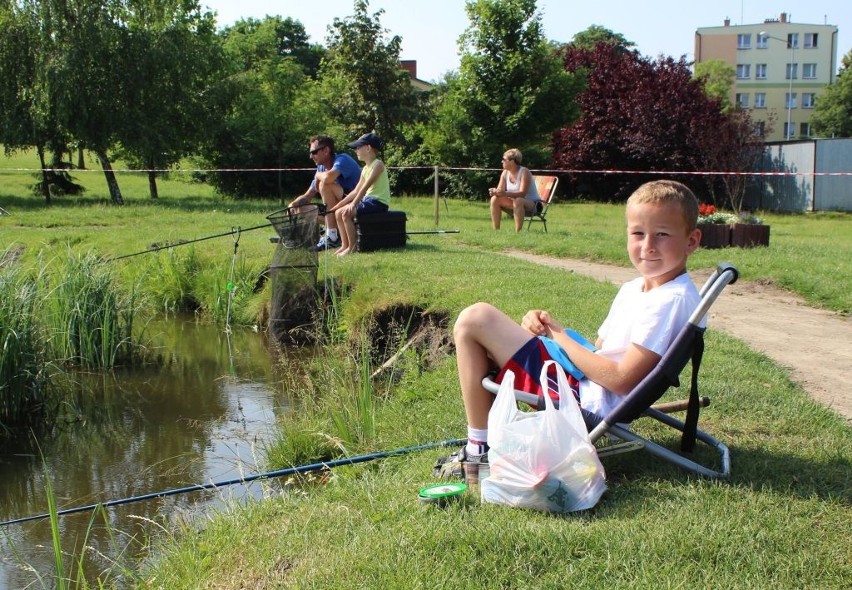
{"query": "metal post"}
(788, 133)
(790, 91)
(437, 197)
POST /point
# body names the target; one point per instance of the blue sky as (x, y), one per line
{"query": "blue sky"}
(430, 28)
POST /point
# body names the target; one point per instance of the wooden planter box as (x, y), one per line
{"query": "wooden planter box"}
(738, 235)
(715, 235)
(749, 235)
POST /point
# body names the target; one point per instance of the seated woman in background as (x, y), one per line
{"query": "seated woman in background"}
(516, 192)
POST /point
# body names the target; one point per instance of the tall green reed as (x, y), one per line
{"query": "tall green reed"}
(88, 317)
(23, 375)
(353, 400)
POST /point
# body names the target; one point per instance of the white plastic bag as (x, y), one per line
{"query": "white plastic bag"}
(542, 460)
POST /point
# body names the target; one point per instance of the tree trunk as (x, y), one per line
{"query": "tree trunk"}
(112, 183)
(81, 161)
(45, 184)
(152, 183)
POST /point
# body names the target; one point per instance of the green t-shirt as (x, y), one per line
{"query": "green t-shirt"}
(381, 188)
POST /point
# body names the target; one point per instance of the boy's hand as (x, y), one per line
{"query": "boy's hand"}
(540, 323)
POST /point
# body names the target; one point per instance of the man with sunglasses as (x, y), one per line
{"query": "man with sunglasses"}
(336, 175)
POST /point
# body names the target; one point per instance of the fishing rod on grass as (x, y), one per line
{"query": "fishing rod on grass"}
(243, 480)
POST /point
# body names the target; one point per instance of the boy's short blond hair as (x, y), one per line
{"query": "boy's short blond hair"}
(668, 191)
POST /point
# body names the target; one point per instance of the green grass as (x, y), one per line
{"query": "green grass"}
(780, 522)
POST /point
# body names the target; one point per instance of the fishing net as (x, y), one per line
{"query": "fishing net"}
(293, 275)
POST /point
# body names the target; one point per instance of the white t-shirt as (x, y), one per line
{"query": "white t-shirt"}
(652, 319)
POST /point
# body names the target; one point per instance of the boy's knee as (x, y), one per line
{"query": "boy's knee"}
(469, 317)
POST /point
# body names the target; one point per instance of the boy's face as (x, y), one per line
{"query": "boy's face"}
(658, 242)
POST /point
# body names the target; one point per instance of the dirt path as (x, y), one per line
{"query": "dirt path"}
(815, 345)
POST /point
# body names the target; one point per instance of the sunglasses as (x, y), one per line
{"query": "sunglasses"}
(314, 152)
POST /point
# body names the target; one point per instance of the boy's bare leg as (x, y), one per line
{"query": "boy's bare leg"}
(483, 336)
(348, 234)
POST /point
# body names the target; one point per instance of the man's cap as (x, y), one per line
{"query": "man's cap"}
(370, 139)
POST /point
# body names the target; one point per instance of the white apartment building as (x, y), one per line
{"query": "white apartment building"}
(782, 68)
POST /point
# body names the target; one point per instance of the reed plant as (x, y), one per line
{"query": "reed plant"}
(23, 365)
(89, 316)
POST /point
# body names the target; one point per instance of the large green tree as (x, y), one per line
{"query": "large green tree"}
(114, 76)
(176, 56)
(833, 111)
(29, 95)
(268, 109)
(511, 90)
(362, 82)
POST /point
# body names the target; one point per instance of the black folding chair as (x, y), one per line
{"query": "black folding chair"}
(688, 346)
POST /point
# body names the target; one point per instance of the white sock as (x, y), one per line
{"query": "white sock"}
(332, 234)
(477, 441)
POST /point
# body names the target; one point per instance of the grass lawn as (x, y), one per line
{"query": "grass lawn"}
(782, 521)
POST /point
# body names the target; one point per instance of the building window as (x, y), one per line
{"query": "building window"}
(789, 100)
(742, 100)
(760, 128)
(744, 41)
(792, 71)
(789, 129)
(792, 40)
(762, 41)
(760, 100)
(743, 71)
(804, 129)
(809, 70)
(760, 71)
(811, 40)
(808, 100)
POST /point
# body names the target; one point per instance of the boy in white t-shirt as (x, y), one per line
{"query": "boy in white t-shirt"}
(643, 321)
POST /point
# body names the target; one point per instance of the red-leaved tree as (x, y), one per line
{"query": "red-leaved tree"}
(640, 115)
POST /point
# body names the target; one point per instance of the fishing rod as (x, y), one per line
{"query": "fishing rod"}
(434, 231)
(243, 480)
(236, 230)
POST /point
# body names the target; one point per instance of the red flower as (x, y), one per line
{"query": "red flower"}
(705, 209)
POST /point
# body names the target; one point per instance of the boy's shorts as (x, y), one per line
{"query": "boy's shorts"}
(369, 205)
(527, 363)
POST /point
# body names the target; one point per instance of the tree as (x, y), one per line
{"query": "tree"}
(733, 148)
(718, 78)
(511, 90)
(29, 94)
(362, 82)
(833, 111)
(637, 115)
(177, 56)
(267, 108)
(597, 34)
(252, 42)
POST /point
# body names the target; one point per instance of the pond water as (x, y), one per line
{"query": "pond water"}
(201, 416)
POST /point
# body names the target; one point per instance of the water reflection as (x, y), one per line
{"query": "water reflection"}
(200, 416)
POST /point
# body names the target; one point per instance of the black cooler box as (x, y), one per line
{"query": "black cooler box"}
(378, 231)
